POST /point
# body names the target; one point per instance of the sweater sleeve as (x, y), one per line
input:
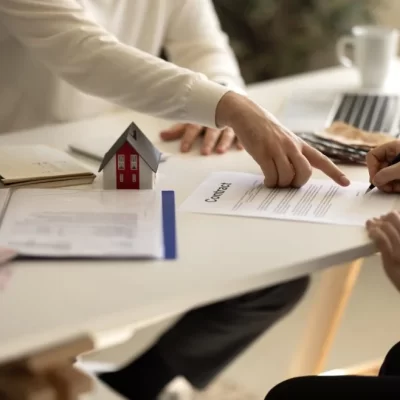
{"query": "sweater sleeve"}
(64, 37)
(196, 41)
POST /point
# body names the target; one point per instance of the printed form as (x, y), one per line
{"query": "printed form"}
(68, 223)
(322, 201)
(5, 253)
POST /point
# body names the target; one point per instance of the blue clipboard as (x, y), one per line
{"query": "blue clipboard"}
(169, 225)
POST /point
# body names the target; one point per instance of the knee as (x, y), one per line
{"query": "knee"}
(278, 299)
(394, 353)
(298, 288)
(291, 292)
(391, 364)
(286, 390)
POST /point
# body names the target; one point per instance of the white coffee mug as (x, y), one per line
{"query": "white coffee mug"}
(374, 49)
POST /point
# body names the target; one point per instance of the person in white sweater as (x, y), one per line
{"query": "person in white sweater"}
(188, 32)
(64, 60)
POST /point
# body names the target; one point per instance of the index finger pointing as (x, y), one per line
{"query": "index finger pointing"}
(323, 163)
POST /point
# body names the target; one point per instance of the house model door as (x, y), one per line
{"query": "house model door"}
(128, 168)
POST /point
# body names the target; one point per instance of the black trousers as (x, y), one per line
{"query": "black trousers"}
(386, 386)
(205, 340)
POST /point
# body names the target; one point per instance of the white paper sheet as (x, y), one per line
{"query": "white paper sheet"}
(319, 201)
(5, 254)
(4, 194)
(83, 223)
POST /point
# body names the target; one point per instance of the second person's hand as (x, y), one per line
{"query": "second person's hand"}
(381, 175)
(218, 140)
(385, 233)
(284, 158)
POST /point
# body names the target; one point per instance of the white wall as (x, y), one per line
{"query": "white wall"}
(389, 13)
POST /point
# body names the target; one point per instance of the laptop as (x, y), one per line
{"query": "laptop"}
(315, 110)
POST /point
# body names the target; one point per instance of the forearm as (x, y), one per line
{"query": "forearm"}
(216, 62)
(64, 38)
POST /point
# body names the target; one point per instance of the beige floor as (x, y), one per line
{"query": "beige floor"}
(371, 325)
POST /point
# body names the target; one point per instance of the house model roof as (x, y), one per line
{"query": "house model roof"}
(139, 141)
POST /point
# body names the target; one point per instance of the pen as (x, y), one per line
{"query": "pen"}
(394, 161)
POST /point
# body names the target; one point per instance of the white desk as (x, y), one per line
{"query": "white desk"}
(219, 256)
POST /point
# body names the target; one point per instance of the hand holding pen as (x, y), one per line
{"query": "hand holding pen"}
(384, 167)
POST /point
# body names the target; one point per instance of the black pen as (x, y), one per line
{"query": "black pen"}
(394, 161)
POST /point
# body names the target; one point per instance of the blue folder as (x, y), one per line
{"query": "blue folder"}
(169, 230)
(169, 224)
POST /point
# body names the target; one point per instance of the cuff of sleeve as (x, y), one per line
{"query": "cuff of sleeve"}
(232, 86)
(203, 100)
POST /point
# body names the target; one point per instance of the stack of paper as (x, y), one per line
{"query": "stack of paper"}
(344, 143)
(88, 223)
(6, 255)
(40, 166)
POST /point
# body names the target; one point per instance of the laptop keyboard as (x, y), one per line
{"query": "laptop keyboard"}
(368, 112)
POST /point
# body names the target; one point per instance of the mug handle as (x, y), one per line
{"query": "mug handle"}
(341, 46)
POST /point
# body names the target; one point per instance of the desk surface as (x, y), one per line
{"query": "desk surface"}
(219, 256)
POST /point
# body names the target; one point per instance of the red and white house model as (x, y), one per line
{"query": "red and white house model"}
(131, 163)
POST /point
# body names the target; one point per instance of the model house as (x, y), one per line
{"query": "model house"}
(131, 163)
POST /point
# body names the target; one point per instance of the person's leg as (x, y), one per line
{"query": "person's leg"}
(205, 340)
(391, 364)
(386, 386)
(337, 387)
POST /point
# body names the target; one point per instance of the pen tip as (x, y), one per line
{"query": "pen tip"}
(368, 190)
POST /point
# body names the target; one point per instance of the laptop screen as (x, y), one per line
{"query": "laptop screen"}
(368, 112)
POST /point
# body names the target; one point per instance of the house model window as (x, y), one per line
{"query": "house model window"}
(131, 163)
(134, 165)
(121, 162)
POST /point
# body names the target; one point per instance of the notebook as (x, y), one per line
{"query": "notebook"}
(40, 166)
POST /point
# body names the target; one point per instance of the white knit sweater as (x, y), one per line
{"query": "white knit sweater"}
(63, 60)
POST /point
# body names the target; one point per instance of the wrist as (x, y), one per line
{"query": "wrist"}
(235, 109)
(229, 106)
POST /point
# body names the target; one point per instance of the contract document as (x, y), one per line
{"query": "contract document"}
(321, 201)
